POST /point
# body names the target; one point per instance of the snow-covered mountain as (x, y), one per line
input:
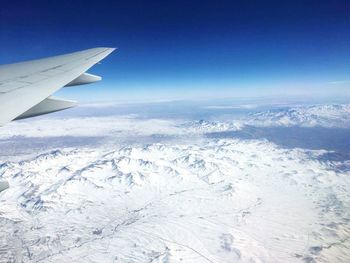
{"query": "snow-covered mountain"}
(160, 190)
(218, 201)
(337, 115)
(203, 126)
(328, 115)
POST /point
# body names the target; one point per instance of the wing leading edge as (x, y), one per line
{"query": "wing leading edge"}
(25, 88)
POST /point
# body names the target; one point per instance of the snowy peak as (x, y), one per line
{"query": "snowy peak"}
(206, 201)
(306, 116)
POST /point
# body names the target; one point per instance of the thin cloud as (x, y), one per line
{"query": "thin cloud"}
(337, 82)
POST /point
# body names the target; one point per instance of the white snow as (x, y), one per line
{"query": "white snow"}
(329, 116)
(218, 201)
(195, 200)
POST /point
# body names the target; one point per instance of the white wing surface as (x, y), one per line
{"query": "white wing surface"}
(25, 88)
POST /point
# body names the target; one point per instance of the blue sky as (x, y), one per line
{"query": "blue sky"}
(190, 49)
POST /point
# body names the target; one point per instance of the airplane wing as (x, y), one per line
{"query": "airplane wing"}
(26, 88)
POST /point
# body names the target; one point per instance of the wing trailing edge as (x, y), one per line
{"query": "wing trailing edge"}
(49, 105)
(85, 78)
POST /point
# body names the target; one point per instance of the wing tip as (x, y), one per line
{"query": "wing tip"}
(106, 51)
(111, 49)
